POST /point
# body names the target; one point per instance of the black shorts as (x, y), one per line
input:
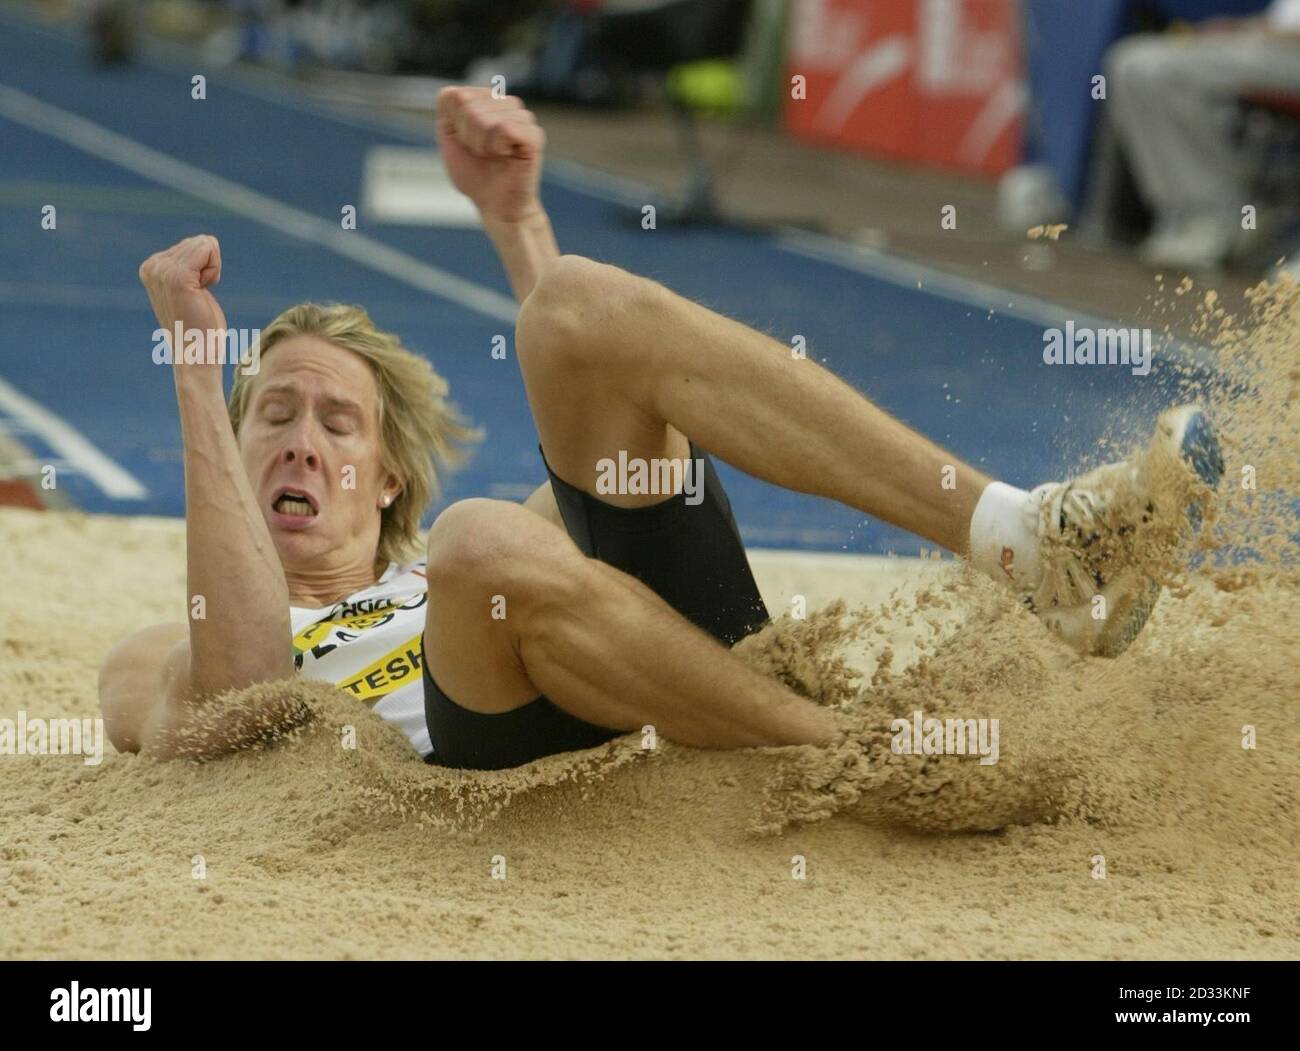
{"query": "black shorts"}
(689, 554)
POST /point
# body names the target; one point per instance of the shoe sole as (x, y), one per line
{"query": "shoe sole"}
(1188, 434)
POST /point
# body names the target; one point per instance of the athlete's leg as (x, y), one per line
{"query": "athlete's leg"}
(592, 639)
(615, 362)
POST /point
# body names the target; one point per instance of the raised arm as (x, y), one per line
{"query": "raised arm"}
(493, 152)
(156, 687)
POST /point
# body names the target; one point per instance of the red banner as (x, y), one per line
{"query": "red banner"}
(933, 81)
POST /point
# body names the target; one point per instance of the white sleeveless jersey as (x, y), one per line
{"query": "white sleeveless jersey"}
(370, 645)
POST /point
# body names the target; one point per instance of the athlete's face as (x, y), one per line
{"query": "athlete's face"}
(313, 453)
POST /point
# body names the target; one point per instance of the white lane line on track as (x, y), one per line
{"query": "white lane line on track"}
(158, 167)
(906, 274)
(113, 481)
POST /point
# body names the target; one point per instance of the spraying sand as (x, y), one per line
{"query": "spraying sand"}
(1133, 768)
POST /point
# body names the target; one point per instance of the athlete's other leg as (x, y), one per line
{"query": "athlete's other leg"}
(612, 361)
(594, 640)
(607, 355)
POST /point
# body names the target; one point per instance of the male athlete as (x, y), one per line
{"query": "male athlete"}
(591, 609)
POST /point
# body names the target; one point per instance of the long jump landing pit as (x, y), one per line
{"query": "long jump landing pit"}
(310, 850)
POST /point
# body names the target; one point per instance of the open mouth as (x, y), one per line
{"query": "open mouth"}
(295, 503)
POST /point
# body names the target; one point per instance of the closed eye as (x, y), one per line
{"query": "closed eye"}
(277, 412)
(340, 423)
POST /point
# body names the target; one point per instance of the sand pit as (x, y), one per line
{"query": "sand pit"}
(315, 851)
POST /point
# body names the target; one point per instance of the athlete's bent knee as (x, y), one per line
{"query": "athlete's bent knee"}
(466, 535)
(570, 321)
(498, 543)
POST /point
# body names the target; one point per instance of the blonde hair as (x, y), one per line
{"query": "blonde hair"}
(422, 434)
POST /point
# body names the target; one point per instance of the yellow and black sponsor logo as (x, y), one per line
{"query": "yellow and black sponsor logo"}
(390, 672)
(314, 634)
(346, 624)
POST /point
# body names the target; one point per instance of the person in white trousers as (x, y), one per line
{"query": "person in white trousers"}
(1172, 100)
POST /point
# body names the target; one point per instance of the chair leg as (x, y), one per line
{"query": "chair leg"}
(697, 203)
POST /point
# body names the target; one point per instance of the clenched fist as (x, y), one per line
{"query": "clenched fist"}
(178, 282)
(493, 151)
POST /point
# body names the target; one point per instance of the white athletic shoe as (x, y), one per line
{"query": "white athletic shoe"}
(1097, 532)
(1197, 243)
